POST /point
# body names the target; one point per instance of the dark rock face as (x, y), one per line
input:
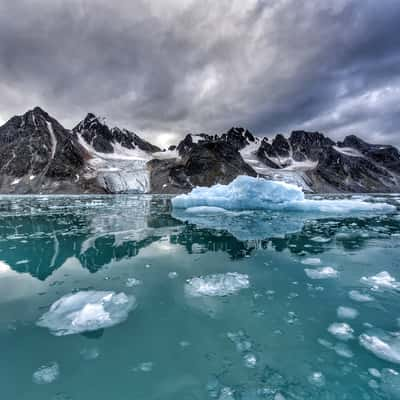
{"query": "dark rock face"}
(238, 138)
(97, 134)
(387, 156)
(204, 163)
(265, 152)
(338, 172)
(308, 145)
(38, 155)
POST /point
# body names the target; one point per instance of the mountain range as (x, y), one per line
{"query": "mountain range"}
(38, 155)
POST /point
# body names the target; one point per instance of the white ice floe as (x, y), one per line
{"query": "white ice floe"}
(86, 311)
(381, 281)
(347, 313)
(248, 193)
(391, 383)
(311, 261)
(46, 374)
(322, 273)
(360, 297)
(383, 345)
(217, 285)
(131, 282)
(341, 330)
(90, 353)
(317, 379)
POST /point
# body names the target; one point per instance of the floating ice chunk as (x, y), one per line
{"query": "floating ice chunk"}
(381, 281)
(172, 275)
(374, 372)
(347, 313)
(311, 261)
(343, 350)
(46, 374)
(341, 330)
(360, 297)
(317, 379)
(321, 273)
(90, 353)
(217, 285)
(86, 311)
(248, 193)
(131, 282)
(250, 360)
(382, 345)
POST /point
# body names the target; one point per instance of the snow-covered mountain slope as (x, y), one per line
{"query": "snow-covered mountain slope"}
(117, 157)
(38, 155)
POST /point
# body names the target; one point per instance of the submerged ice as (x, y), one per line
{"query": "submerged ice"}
(217, 285)
(86, 311)
(248, 193)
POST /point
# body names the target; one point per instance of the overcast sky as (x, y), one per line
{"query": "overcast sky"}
(167, 67)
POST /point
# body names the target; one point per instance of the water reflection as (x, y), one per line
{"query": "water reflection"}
(38, 235)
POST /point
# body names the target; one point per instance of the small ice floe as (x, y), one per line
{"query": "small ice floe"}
(374, 372)
(46, 374)
(317, 379)
(381, 281)
(172, 275)
(311, 261)
(250, 360)
(383, 345)
(90, 353)
(347, 313)
(86, 311)
(322, 273)
(341, 330)
(131, 282)
(360, 297)
(320, 239)
(217, 285)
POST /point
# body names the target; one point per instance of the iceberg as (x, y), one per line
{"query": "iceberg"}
(248, 193)
(86, 311)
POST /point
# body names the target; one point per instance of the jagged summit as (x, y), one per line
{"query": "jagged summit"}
(38, 155)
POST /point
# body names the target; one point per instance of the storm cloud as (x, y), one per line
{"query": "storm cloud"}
(167, 67)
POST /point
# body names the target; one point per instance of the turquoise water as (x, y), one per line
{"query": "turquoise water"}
(255, 324)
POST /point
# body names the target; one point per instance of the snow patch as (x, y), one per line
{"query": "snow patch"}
(86, 311)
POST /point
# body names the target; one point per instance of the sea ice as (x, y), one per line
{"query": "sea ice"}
(86, 311)
(311, 261)
(382, 345)
(217, 285)
(322, 273)
(341, 330)
(381, 281)
(317, 379)
(248, 193)
(46, 374)
(347, 313)
(360, 297)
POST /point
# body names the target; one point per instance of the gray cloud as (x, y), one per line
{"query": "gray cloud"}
(166, 67)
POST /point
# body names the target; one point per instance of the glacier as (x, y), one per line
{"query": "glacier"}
(248, 193)
(86, 311)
